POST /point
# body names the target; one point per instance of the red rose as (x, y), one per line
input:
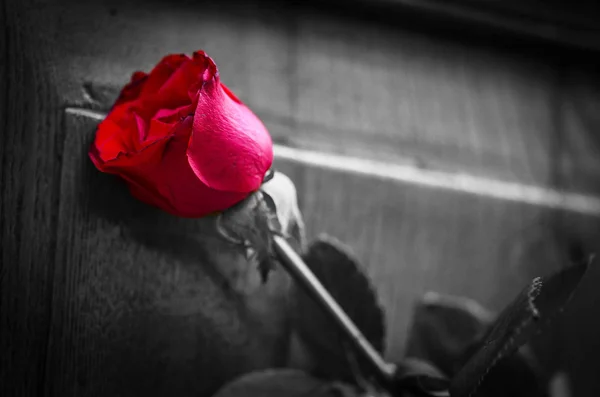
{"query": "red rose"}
(182, 140)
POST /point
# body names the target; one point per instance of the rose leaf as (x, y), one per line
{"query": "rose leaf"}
(340, 273)
(538, 304)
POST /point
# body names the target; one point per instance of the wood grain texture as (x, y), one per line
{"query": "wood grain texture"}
(151, 304)
(319, 82)
(415, 239)
(442, 105)
(30, 151)
(87, 291)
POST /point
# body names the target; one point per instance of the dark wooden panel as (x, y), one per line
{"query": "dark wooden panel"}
(150, 304)
(568, 25)
(30, 150)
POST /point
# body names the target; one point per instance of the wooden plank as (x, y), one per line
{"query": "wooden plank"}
(416, 239)
(30, 149)
(578, 120)
(149, 303)
(400, 96)
(103, 43)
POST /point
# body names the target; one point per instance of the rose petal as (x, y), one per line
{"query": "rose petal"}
(231, 94)
(110, 142)
(142, 131)
(172, 95)
(174, 115)
(209, 74)
(229, 149)
(174, 92)
(149, 196)
(157, 130)
(119, 160)
(132, 90)
(161, 73)
(177, 182)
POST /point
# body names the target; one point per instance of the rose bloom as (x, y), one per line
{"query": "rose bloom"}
(182, 140)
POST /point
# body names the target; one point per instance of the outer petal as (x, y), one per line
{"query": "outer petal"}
(143, 84)
(141, 170)
(174, 92)
(113, 135)
(131, 124)
(229, 149)
(124, 132)
(122, 162)
(177, 183)
(132, 90)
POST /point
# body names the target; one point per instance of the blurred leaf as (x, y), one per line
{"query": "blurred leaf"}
(420, 378)
(443, 327)
(447, 330)
(521, 368)
(283, 382)
(340, 273)
(533, 308)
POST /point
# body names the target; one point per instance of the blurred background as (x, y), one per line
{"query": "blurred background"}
(478, 121)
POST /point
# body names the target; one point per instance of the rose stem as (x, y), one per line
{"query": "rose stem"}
(294, 264)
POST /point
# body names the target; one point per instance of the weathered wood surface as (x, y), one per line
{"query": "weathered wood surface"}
(313, 79)
(77, 282)
(151, 304)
